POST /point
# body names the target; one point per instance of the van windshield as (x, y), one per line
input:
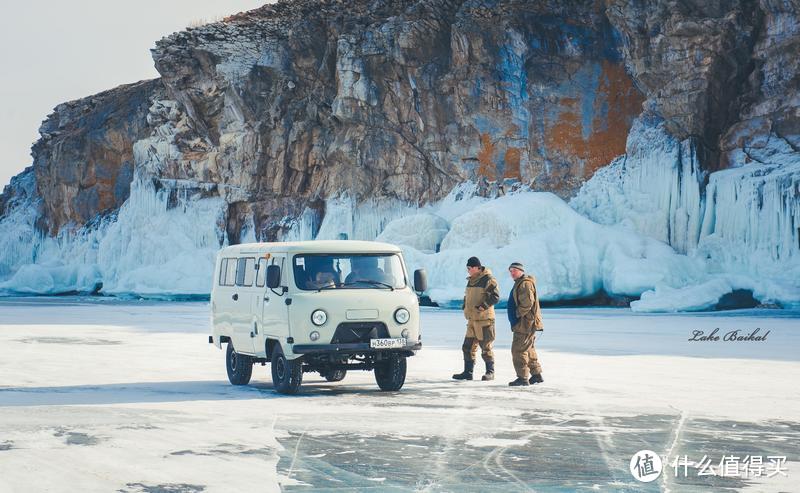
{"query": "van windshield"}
(349, 271)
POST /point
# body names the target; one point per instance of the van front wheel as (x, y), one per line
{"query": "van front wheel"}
(287, 375)
(391, 374)
(240, 366)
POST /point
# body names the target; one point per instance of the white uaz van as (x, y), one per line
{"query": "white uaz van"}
(315, 306)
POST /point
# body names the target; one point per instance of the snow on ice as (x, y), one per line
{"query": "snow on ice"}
(168, 420)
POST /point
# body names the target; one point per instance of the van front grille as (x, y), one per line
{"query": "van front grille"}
(359, 332)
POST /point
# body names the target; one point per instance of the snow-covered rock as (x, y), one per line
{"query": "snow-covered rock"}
(423, 232)
(743, 227)
(161, 243)
(655, 188)
(17, 224)
(158, 244)
(570, 255)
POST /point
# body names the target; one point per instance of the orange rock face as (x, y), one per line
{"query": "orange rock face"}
(590, 129)
(573, 128)
(84, 161)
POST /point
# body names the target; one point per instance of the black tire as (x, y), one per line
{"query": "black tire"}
(239, 366)
(391, 374)
(287, 375)
(335, 375)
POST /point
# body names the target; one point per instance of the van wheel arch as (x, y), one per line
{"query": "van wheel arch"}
(287, 375)
(239, 366)
(390, 374)
(269, 347)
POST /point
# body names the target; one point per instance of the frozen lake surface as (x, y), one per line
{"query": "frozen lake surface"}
(98, 394)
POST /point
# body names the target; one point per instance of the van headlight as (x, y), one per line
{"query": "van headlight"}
(319, 317)
(314, 336)
(401, 315)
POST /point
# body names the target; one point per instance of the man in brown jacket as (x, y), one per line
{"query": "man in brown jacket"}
(480, 297)
(526, 318)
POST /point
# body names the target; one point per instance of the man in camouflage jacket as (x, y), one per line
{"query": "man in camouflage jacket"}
(525, 317)
(481, 295)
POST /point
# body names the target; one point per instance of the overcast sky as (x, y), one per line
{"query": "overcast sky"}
(55, 51)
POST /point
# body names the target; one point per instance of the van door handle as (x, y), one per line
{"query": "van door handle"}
(266, 299)
(235, 296)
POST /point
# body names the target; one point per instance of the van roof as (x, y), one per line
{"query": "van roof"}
(314, 246)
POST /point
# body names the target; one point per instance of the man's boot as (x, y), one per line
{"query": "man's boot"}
(519, 382)
(467, 373)
(536, 378)
(489, 371)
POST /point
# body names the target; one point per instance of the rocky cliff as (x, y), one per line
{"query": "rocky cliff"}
(320, 118)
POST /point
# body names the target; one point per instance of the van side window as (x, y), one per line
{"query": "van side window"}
(261, 273)
(223, 265)
(279, 262)
(245, 271)
(230, 272)
(249, 271)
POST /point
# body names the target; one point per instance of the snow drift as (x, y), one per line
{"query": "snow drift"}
(571, 256)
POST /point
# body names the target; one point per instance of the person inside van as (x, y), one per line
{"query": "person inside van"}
(365, 269)
(325, 279)
(320, 273)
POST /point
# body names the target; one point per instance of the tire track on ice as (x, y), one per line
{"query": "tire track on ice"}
(461, 407)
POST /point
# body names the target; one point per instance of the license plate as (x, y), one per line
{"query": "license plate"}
(395, 343)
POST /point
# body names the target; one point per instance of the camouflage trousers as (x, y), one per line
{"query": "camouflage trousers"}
(523, 355)
(479, 333)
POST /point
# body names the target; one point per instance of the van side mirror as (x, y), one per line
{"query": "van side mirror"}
(273, 276)
(420, 280)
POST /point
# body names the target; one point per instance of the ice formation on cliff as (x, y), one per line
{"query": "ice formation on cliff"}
(161, 242)
(570, 255)
(744, 226)
(644, 226)
(152, 247)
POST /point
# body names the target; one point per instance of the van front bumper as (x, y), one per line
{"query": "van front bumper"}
(356, 347)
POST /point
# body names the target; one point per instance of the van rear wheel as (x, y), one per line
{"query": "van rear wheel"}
(391, 374)
(239, 366)
(335, 375)
(287, 375)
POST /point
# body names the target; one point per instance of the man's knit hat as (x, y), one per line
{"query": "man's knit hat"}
(473, 262)
(517, 265)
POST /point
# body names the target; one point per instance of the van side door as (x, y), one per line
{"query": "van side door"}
(221, 296)
(241, 306)
(274, 311)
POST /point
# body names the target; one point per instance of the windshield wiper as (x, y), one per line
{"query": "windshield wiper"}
(378, 283)
(353, 283)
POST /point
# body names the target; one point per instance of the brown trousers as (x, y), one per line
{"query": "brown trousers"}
(479, 333)
(523, 355)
